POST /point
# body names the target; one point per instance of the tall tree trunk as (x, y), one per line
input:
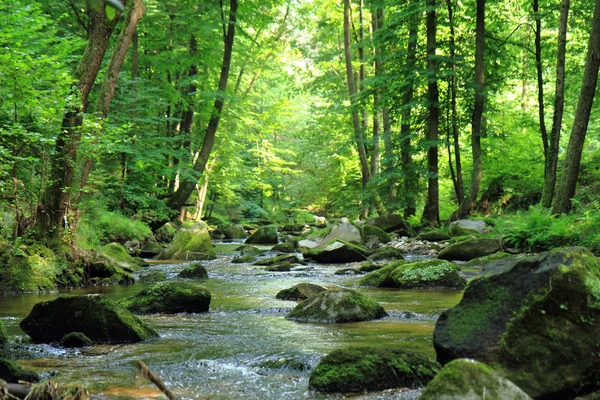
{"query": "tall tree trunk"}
(476, 123)
(53, 211)
(187, 186)
(375, 152)
(568, 179)
(540, 77)
(389, 162)
(432, 207)
(559, 105)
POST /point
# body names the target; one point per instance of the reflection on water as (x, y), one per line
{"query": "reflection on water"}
(242, 348)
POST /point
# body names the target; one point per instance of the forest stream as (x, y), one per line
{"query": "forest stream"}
(242, 348)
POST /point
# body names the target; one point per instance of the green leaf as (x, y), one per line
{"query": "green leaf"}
(111, 12)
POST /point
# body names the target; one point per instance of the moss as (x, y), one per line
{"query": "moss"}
(372, 236)
(427, 274)
(486, 259)
(280, 267)
(470, 249)
(290, 258)
(117, 254)
(358, 369)
(247, 258)
(169, 298)
(3, 335)
(153, 277)
(381, 277)
(301, 291)
(387, 253)
(369, 267)
(30, 269)
(337, 251)
(13, 373)
(264, 235)
(190, 245)
(194, 271)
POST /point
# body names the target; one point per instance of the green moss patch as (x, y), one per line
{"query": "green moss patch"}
(169, 298)
(192, 244)
(301, 291)
(427, 274)
(194, 271)
(382, 276)
(337, 251)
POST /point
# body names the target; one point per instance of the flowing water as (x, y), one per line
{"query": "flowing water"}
(243, 348)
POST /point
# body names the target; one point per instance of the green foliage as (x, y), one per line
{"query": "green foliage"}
(100, 226)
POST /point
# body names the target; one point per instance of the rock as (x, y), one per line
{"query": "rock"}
(247, 249)
(102, 269)
(344, 231)
(301, 291)
(190, 244)
(3, 335)
(336, 251)
(373, 237)
(320, 221)
(133, 247)
(382, 276)
(537, 322)
(244, 259)
(482, 261)
(466, 379)
(264, 235)
(360, 369)
(289, 246)
(150, 250)
(307, 243)
(234, 231)
(13, 373)
(433, 236)
(216, 234)
(279, 267)
(337, 305)
(289, 258)
(427, 274)
(387, 253)
(369, 266)
(98, 317)
(293, 228)
(166, 233)
(347, 271)
(169, 298)
(282, 363)
(464, 227)
(75, 339)
(153, 277)
(194, 271)
(392, 223)
(470, 249)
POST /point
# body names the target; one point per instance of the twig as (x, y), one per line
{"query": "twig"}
(155, 379)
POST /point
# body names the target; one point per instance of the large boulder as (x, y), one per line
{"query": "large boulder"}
(392, 223)
(427, 274)
(337, 305)
(98, 317)
(166, 233)
(264, 235)
(169, 298)
(343, 230)
(336, 251)
(373, 237)
(190, 244)
(360, 369)
(467, 227)
(290, 258)
(466, 379)
(537, 322)
(234, 231)
(470, 249)
(301, 291)
(13, 373)
(381, 277)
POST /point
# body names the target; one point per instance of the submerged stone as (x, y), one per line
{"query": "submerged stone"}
(98, 317)
(169, 298)
(537, 322)
(75, 339)
(301, 291)
(466, 379)
(190, 244)
(359, 369)
(470, 249)
(283, 266)
(194, 271)
(337, 305)
(337, 251)
(264, 235)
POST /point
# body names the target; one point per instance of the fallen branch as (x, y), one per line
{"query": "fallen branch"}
(145, 372)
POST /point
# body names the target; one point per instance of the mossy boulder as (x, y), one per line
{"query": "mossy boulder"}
(301, 291)
(98, 317)
(264, 235)
(150, 250)
(116, 253)
(284, 266)
(466, 379)
(247, 249)
(336, 251)
(392, 223)
(13, 373)
(190, 244)
(169, 298)
(381, 277)
(337, 305)
(287, 247)
(153, 277)
(75, 339)
(536, 322)
(360, 369)
(194, 271)
(30, 269)
(482, 261)
(387, 253)
(465, 227)
(470, 249)
(373, 237)
(345, 231)
(166, 233)
(248, 258)
(234, 231)
(290, 258)
(433, 236)
(427, 274)
(369, 266)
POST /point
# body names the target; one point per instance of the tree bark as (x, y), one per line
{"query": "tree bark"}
(559, 105)
(432, 207)
(187, 185)
(568, 179)
(476, 123)
(540, 76)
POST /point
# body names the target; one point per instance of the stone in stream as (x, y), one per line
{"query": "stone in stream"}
(301, 291)
(392, 223)
(535, 322)
(466, 379)
(470, 249)
(169, 298)
(98, 317)
(387, 253)
(75, 339)
(283, 266)
(264, 235)
(464, 227)
(337, 251)
(246, 249)
(433, 236)
(190, 244)
(417, 275)
(360, 369)
(290, 258)
(194, 271)
(345, 231)
(373, 237)
(234, 231)
(337, 305)
(247, 258)
(13, 373)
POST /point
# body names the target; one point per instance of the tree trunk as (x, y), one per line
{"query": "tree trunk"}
(568, 179)
(476, 123)
(559, 105)
(53, 211)
(187, 185)
(432, 208)
(540, 77)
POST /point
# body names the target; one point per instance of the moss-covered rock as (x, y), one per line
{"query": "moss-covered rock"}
(98, 317)
(387, 253)
(234, 231)
(153, 277)
(287, 247)
(31, 268)
(470, 249)
(337, 305)
(264, 235)
(248, 258)
(169, 298)
(482, 261)
(382, 276)
(247, 249)
(13, 373)
(337, 251)
(537, 323)
(359, 369)
(150, 250)
(290, 258)
(373, 237)
(392, 223)
(75, 339)
(465, 227)
(301, 291)
(427, 274)
(166, 233)
(369, 266)
(284, 266)
(190, 244)
(433, 236)
(194, 271)
(116, 253)
(345, 231)
(466, 379)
